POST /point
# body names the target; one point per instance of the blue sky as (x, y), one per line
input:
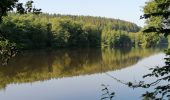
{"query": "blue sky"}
(129, 10)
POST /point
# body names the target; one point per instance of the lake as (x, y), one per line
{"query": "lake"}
(77, 74)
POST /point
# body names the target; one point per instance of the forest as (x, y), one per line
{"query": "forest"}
(30, 31)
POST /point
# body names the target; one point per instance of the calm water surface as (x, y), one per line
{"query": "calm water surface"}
(76, 74)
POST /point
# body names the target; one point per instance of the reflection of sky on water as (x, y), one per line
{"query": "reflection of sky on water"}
(134, 74)
(86, 87)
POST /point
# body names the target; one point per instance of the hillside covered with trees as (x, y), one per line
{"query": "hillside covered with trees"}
(30, 31)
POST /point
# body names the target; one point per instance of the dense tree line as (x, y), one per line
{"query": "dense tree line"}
(101, 22)
(31, 31)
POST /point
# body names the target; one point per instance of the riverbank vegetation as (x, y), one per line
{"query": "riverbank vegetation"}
(40, 31)
(31, 31)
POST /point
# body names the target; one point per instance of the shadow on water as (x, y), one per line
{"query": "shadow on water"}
(32, 66)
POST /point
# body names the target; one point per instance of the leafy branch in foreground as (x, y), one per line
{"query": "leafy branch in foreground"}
(28, 8)
(161, 83)
(107, 94)
(9, 49)
(157, 14)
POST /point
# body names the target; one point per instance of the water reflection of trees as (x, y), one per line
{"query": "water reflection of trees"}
(44, 65)
(160, 82)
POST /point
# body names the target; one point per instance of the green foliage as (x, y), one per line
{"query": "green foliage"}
(74, 35)
(151, 40)
(116, 38)
(7, 50)
(121, 40)
(6, 5)
(94, 36)
(101, 22)
(157, 15)
(25, 33)
(30, 31)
